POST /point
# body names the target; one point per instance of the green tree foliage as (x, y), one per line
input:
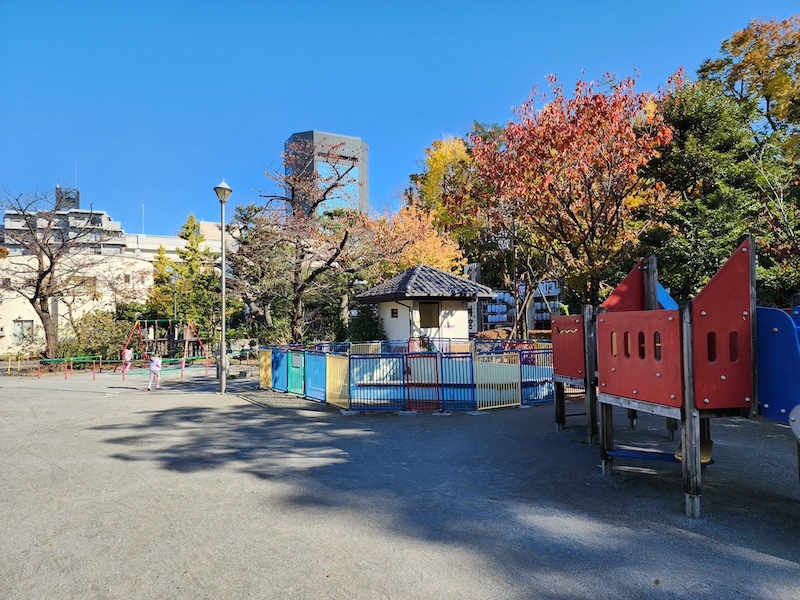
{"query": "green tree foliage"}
(708, 170)
(759, 65)
(366, 326)
(96, 333)
(193, 280)
(198, 283)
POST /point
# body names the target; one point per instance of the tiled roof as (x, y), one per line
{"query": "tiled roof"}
(427, 282)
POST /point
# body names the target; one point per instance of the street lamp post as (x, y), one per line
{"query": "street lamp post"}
(223, 191)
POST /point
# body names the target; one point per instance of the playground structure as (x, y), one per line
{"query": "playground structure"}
(705, 360)
(167, 338)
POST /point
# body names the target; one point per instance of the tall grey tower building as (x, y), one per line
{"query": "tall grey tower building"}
(332, 157)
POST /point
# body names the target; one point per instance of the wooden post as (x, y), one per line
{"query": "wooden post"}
(561, 405)
(590, 371)
(606, 438)
(690, 433)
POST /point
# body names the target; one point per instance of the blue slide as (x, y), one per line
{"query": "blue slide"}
(778, 362)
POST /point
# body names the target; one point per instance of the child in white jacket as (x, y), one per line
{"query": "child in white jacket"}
(155, 372)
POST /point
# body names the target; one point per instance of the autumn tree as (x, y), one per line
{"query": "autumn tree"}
(568, 174)
(310, 217)
(297, 259)
(760, 65)
(408, 238)
(450, 178)
(57, 259)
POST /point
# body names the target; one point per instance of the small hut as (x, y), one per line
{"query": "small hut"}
(424, 302)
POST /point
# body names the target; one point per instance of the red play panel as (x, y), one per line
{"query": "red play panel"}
(639, 356)
(568, 346)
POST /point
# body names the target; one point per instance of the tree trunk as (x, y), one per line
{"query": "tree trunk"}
(40, 305)
(344, 309)
(297, 319)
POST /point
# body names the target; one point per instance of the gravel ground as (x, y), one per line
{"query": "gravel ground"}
(110, 491)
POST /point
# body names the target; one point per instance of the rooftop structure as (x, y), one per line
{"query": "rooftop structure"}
(334, 161)
(425, 283)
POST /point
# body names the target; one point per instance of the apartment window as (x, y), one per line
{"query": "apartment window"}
(428, 315)
(21, 332)
(394, 313)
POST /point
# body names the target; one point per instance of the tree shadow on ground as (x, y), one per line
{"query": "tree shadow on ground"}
(503, 485)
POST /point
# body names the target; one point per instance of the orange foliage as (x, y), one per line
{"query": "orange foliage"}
(570, 172)
(410, 236)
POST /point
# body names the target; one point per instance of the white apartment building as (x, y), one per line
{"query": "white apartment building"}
(113, 266)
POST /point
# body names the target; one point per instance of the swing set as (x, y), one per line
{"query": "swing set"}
(169, 338)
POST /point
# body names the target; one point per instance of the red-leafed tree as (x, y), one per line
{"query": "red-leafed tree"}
(566, 176)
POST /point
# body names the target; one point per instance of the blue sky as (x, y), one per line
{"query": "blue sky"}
(150, 104)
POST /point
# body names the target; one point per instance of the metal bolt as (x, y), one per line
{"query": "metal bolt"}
(722, 377)
(669, 318)
(766, 406)
(613, 369)
(658, 374)
(705, 400)
(747, 398)
(602, 385)
(672, 396)
(635, 392)
(745, 313)
(792, 419)
(783, 411)
(704, 313)
(774, 330)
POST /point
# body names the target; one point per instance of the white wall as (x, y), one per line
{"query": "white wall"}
(118, 278)
(395, 328)
(453, 321)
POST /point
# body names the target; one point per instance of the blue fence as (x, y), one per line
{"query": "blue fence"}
(315, 375)
(458, 382)
(536, 368)
(280, 373)
(377, 382)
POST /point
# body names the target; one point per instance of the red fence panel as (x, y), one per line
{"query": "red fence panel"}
(639, 356)
(568, 346)
(722, 332)
(422, 381)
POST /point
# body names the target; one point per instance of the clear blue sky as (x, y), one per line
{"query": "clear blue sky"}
(153, 103)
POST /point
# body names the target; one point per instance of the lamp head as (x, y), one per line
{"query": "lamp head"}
(223, 191)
